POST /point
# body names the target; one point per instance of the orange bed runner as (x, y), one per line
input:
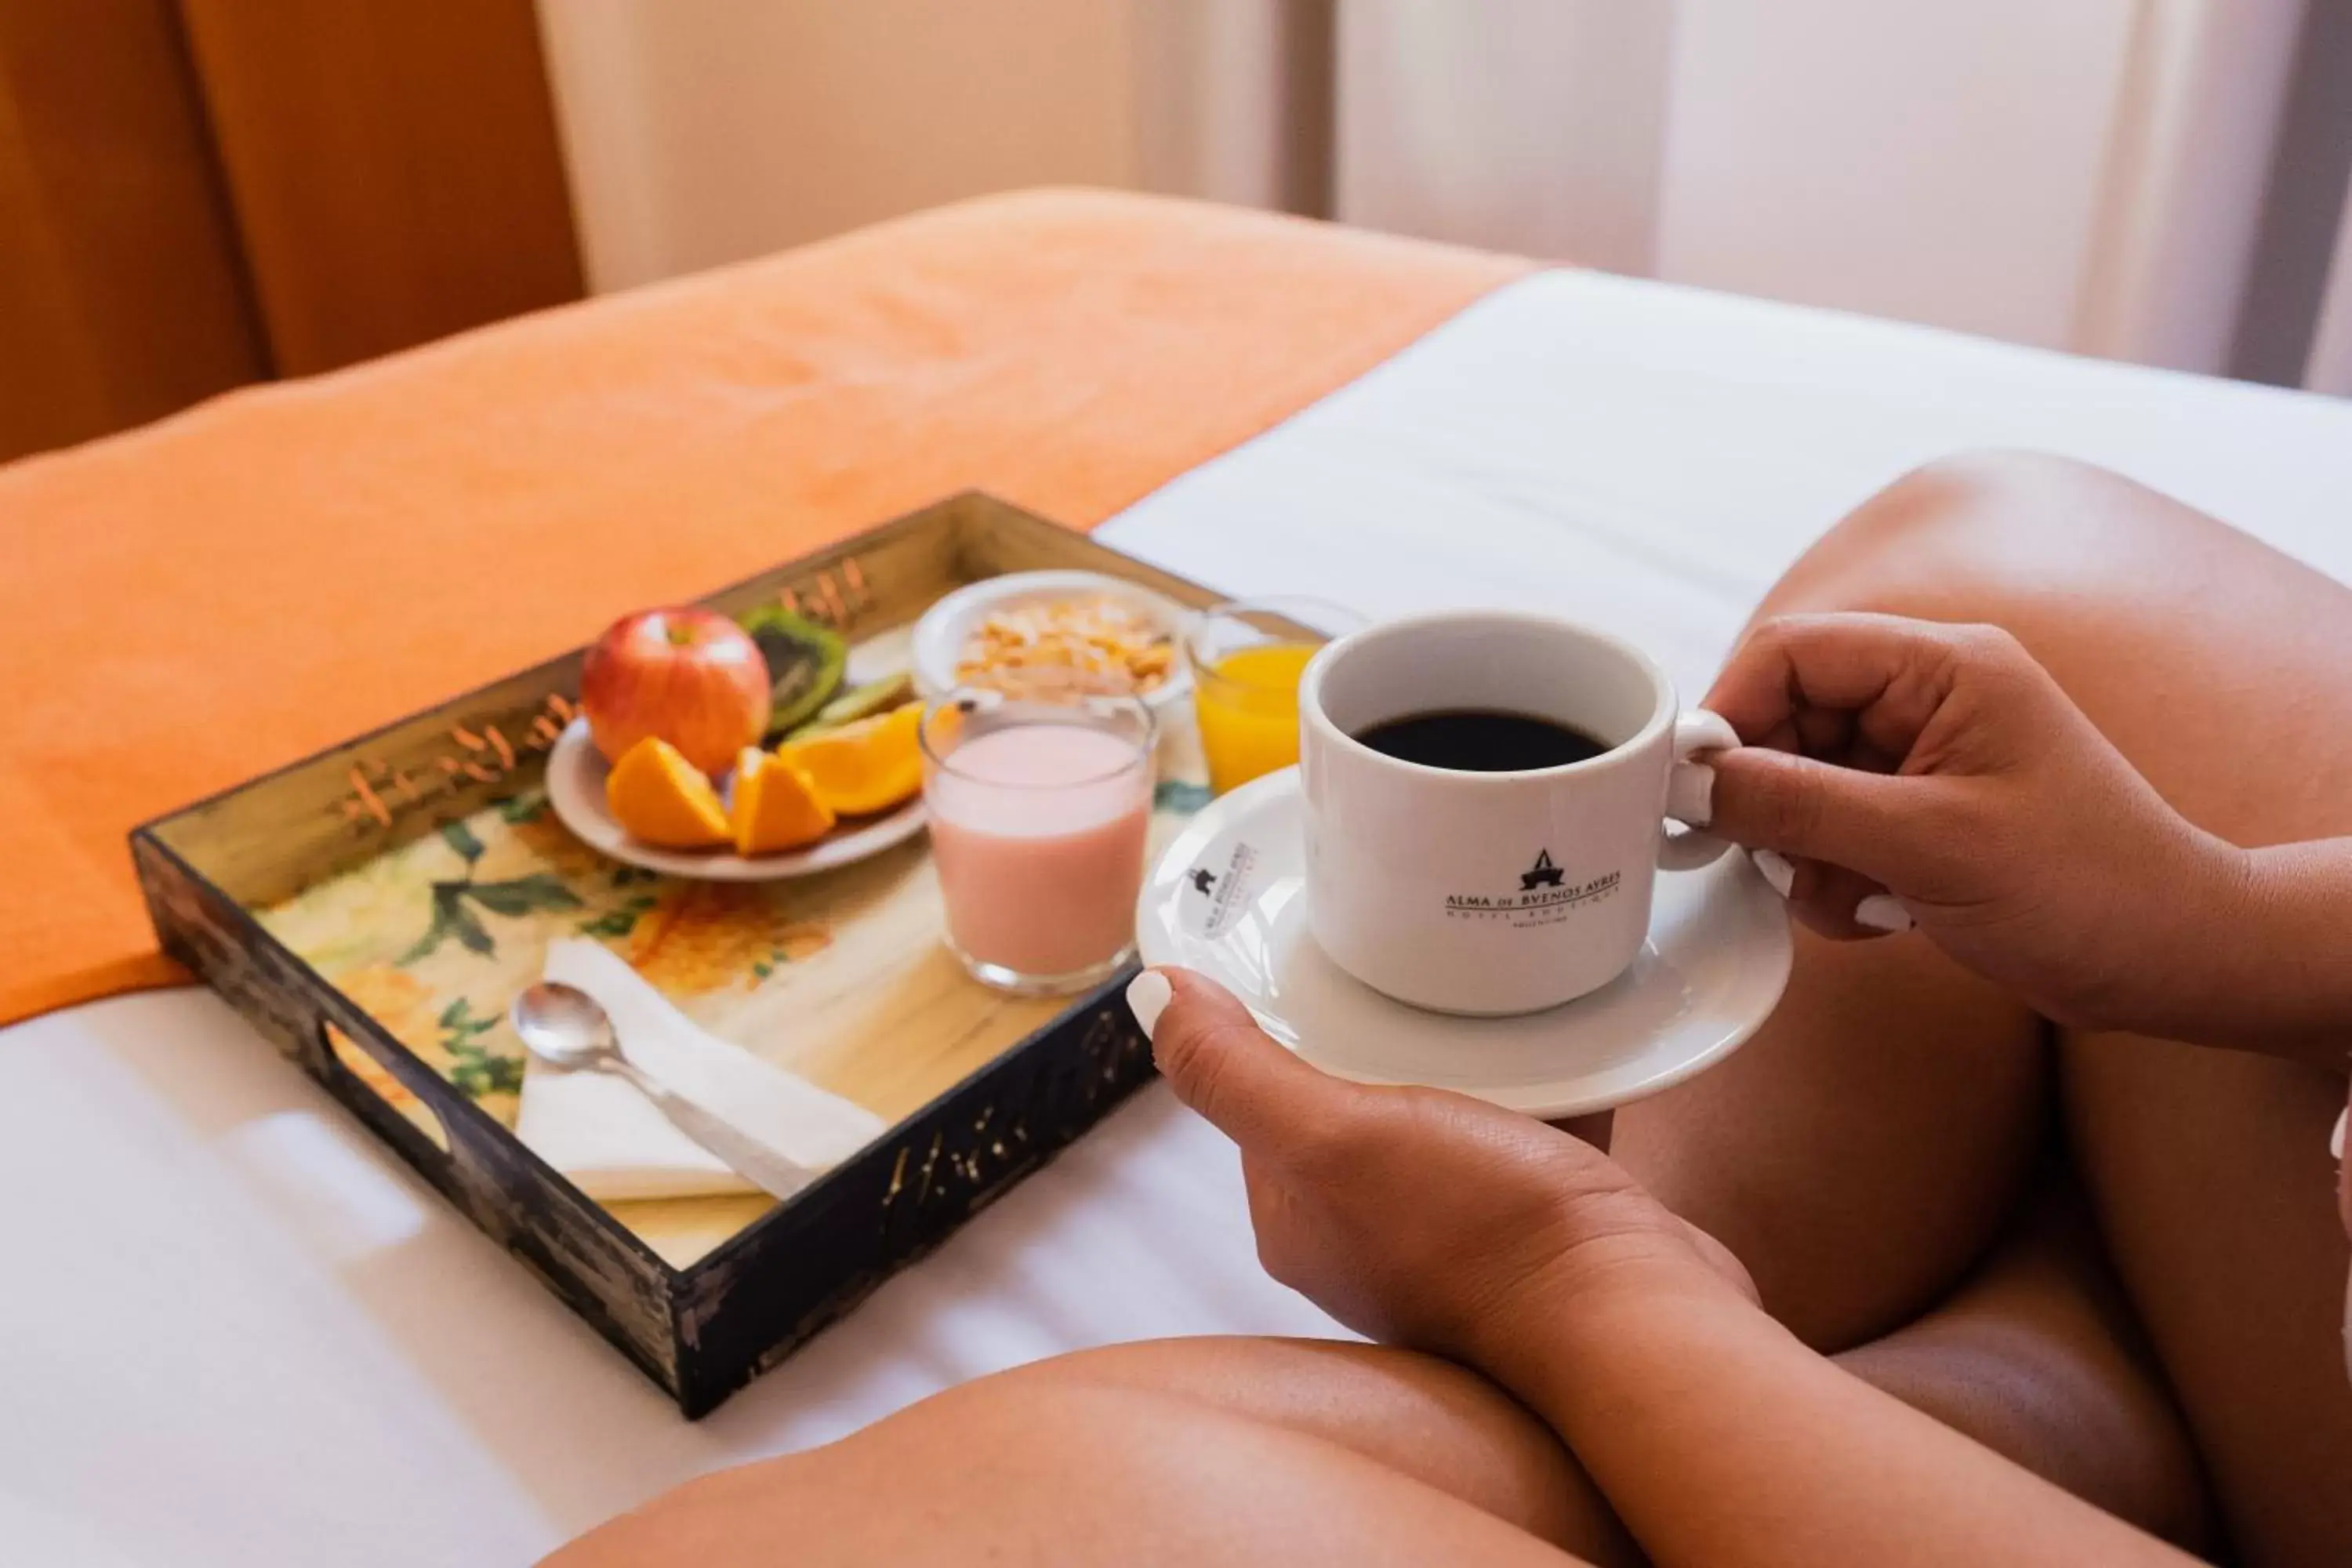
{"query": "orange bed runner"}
(196, 603)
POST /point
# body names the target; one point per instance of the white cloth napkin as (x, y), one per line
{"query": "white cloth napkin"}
(615, 1143)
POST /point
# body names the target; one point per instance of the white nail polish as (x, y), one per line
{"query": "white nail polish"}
(1777, 867)
(1880, 911)
(1148, 995)
(2336, 1139)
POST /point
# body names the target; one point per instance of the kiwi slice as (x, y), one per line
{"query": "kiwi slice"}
(860, 702)
(805, 662)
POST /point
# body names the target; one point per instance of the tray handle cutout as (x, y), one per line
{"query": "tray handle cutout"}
(360, 1062)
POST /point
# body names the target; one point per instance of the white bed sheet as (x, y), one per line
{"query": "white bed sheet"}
(1651, 458)
(233, 1331)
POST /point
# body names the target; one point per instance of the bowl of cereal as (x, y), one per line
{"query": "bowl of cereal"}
(1053, 637)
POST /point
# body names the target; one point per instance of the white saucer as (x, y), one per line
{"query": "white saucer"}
(575, 788)
(1711, 972)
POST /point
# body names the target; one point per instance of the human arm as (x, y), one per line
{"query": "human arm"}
(1430, 1220)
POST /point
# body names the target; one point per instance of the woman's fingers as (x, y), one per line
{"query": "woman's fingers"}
(1877, 749)
(1891, 674)
(1219, 1063)
(1884, 827)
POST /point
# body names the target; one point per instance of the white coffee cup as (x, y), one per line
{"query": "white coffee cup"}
(1495, 892)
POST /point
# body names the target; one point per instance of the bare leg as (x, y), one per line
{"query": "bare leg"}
(1866, 1148)
(1414, 1414)
(1183, 1452)
(2224, 671)
(2037, 1356)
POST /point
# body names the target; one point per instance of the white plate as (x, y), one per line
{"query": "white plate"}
(944, 629)
(1711, 972)
(575, 787)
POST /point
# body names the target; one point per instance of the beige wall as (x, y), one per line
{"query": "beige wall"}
(699, 131)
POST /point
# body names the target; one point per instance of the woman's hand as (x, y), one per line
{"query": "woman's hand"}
(1415, 1216)
(1440, 1223)
(1939, 772)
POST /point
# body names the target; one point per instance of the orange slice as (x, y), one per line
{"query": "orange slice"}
(776, 807)
(660, 798)
(865, 767)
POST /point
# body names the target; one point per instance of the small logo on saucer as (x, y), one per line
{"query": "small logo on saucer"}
(1542, 874)
(1225, 892)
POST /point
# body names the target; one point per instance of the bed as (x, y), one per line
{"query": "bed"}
(237, 1331)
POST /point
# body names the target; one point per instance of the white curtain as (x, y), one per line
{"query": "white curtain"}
(1535, 126)
(2085, 176)
(2330, 367)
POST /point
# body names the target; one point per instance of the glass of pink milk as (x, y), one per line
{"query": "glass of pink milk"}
(1039, 815)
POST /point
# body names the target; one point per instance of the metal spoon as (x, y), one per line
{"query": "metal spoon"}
(564, 1026)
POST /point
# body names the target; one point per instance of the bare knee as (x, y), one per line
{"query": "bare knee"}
(2158, 621)
(1994, 492)
(1962, 482)
(1966, 483)
(1998, 536)
(1429, 1419)
(1034, 1470)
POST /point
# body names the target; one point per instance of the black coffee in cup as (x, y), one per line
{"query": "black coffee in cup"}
(1480, 740)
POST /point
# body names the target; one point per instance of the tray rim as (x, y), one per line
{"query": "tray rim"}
(677, 1281)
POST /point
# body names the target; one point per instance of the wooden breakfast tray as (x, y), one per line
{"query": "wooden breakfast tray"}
(374, 911)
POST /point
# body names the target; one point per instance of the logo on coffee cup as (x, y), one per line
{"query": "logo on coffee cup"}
(1543, 896)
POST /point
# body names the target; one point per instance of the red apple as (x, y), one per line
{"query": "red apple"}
(691, 677)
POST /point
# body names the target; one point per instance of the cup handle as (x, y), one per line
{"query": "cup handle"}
(1690, 791)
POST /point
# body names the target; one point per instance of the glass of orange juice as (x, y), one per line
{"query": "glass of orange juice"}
(1246, 659)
